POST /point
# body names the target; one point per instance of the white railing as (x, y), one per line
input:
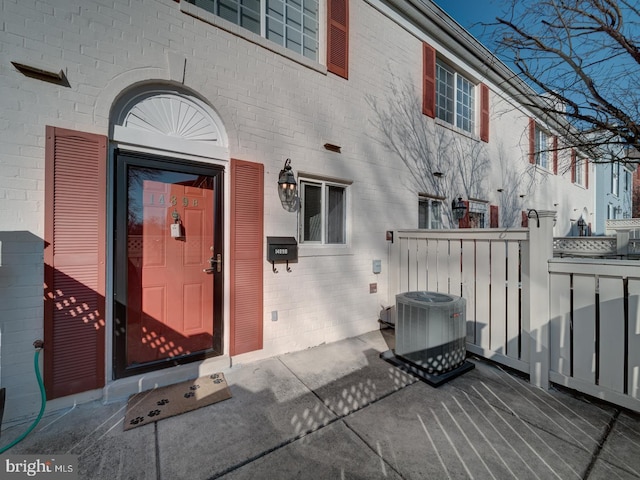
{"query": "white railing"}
(625, 244)
(611, 226)
(585, 246)
(574, 322)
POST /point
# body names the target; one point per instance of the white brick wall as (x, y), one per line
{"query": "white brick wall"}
(21, 275)
(272, 107)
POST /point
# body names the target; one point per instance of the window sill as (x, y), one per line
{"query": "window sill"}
(457, 130)
(219, 22)
(317, 250)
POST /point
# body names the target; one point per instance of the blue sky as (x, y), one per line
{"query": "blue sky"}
(470, 13)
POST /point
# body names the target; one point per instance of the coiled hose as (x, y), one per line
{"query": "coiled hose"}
(36, 365)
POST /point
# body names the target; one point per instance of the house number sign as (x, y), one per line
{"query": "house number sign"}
(160, 199)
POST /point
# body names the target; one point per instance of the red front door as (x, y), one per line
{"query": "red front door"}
(173, 260)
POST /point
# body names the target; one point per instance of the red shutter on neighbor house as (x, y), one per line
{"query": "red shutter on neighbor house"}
(75, 214)
(573, 166)
(484, 112)
(555, 155)
(586, 173)
(338, 37)
(532, 141)
(429, 80)
(465, 222)
(247, 227)
(525, 219)
(493, 216)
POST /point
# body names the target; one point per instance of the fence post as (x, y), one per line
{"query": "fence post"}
(622, 242)
(536, 308)
(393, 282)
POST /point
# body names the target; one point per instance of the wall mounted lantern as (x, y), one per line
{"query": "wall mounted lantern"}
(287, 186)
(459, 209)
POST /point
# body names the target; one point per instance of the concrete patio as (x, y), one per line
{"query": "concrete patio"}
(339, 411)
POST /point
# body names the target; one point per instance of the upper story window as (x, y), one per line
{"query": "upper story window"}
(541, 147)
(290, 23)
(615, 184)
(451, 97)
(580, 168)
(323, 212)
(455, 98)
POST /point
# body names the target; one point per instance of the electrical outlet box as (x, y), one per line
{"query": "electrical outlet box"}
(377, 266)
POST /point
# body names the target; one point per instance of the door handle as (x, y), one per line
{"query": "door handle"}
(216, 264)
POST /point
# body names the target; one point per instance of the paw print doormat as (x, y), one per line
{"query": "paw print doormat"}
(153, 405)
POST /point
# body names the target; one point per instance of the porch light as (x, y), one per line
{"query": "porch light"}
(287, 186)
(459, 208)
(582, 227)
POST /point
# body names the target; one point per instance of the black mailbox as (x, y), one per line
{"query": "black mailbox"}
(281, 249)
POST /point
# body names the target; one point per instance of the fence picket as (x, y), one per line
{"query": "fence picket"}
(560, 323)
(513, 300)
(498, 306)
(584, 328)
(633, 349)
(611, 334)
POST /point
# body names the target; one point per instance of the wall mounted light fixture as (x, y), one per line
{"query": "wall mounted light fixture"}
(287, 186)
(459, 208)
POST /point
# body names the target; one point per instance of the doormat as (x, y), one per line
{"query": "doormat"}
(164, 402)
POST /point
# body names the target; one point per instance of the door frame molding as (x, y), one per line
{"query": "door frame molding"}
(121, 159)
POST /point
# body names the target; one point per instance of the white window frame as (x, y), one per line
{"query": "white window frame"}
(542, 147)
(433, 219)
(455, 98)
(306, 10)
(615, 181)
(479, 212)
(324, 186)
(581, 165)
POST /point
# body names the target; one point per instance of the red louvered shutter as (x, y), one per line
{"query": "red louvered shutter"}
(338, 37)
(484, 113)
(429, 80)
(525, 219)
(532, 141)
(555, 155)
(75, 215)
(247, 227)
(465, 222)
(493, 216)
(586, 173)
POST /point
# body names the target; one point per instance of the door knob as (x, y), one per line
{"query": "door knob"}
(216, 264)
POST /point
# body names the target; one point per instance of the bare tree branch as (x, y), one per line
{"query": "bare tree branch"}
(584, 55)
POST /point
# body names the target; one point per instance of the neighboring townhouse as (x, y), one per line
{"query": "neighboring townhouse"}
(145, 153)
(613, 194)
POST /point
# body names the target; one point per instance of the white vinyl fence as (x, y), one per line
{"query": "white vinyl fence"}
(574, 322)
(595, 328)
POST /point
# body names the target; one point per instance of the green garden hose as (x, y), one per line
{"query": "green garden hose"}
(36, 365)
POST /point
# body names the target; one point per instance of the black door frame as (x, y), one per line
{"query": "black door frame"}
(122, 160)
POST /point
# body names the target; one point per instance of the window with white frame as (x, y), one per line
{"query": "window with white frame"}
(290, 23)
(581, 165)
(615, 185)
(477, 214)
(455, 98)
(429, 213)
(323, 212)
(541, 147)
